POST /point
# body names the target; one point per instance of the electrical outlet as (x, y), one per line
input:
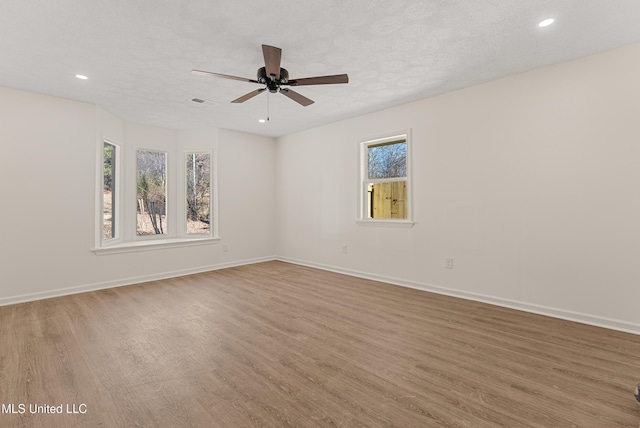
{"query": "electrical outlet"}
(225, 248)
(344, 248)
(448, 263)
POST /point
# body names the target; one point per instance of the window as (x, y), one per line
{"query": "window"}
(151, 198)
(151, 210)
(384, 180)
(387, 180)
(109, 196)
(198, 193)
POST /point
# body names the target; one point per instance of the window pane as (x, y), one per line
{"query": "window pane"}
(198, 193)
(387, 200)
(152, 193)
(108, 191)
(387, 160)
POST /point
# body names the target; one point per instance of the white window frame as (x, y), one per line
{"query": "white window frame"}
(117, 212)
(126, 228)
(364, 181)
(213, 199)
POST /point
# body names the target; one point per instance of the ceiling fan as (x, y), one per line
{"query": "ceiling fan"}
(274, 77)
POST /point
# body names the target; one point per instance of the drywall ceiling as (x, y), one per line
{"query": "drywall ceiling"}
(138, 54)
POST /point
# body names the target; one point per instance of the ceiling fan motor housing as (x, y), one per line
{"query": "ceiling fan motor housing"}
(272, 85)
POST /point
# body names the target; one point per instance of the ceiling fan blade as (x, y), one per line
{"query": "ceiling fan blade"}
(224, 76)
(248, 96)
(272, 56)
(320, 80)
(300, 99)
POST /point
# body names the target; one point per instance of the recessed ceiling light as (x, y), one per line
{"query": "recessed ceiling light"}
(546, 22)
(261, 120)
(81, 76)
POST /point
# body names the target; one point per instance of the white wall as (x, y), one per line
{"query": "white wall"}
(46, 187)
(246, 184)
(530, 183)
(47, 182)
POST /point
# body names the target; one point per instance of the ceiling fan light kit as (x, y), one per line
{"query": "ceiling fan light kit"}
(274, 77)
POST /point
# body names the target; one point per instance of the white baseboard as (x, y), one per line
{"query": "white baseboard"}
(612, 324)
(126, 281)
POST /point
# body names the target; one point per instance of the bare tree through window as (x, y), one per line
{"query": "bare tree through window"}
(151, 193)
(388, 160)
(198, 177)
(108, 190)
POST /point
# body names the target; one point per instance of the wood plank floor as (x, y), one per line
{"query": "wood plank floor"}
(279, 345)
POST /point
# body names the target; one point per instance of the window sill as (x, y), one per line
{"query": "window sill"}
(386, 223)
(156, 244)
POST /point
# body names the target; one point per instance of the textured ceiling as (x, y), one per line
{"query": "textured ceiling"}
(138, 54)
